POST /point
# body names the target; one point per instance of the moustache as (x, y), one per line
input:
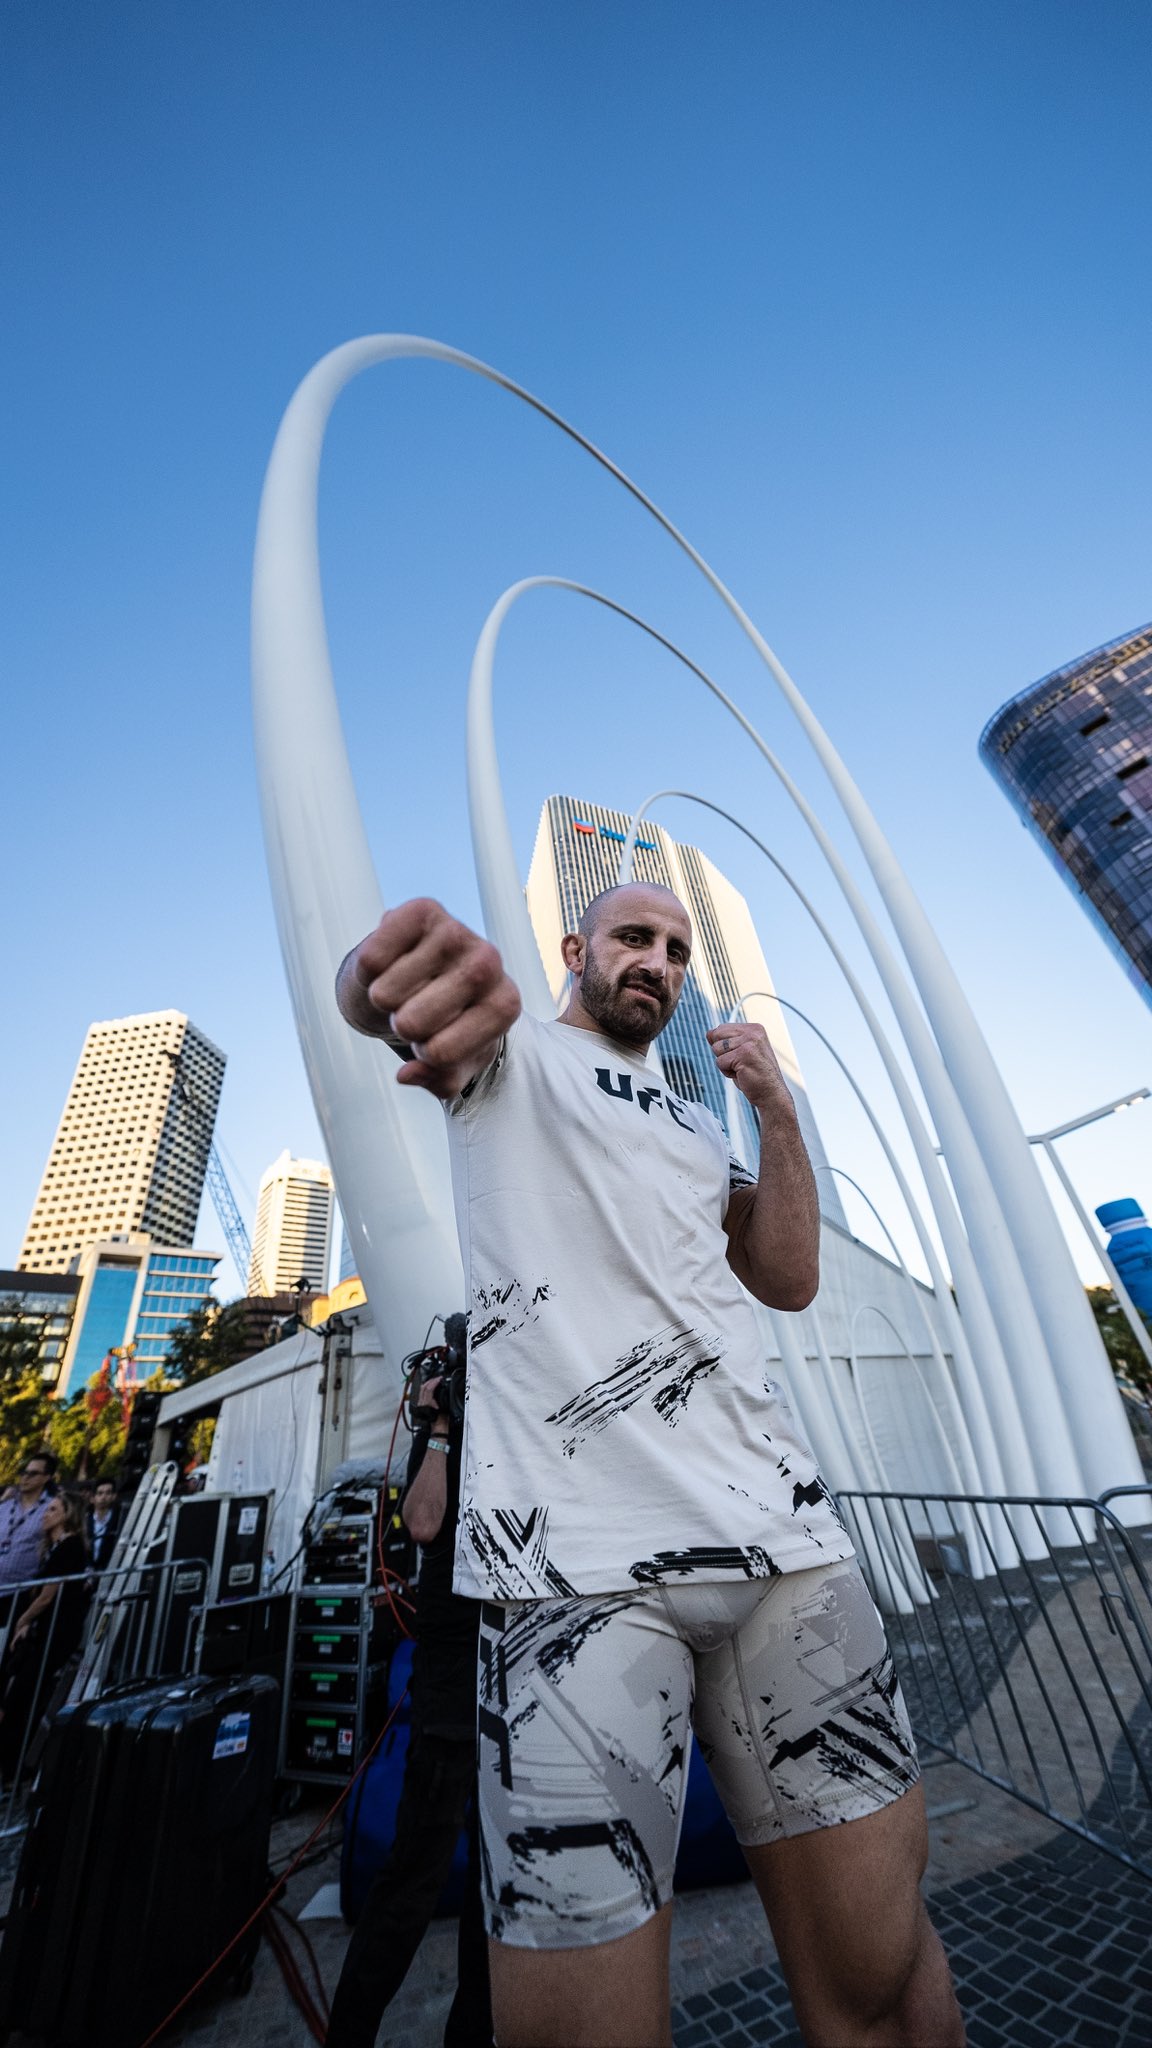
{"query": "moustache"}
(646, 986)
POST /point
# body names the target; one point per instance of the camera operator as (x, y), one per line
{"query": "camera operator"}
(438, 1793)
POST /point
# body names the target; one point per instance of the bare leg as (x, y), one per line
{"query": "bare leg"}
(614, 1995)
(864, 1965)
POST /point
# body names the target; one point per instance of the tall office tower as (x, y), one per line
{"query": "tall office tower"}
(1073, 753)
(294, 1211)
(131, 1151)
(577, 854)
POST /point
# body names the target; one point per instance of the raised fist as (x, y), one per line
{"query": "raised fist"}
(425, 980)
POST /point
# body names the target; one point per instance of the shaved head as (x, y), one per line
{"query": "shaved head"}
(615, 900)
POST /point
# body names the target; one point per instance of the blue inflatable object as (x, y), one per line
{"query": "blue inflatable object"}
(709, 1852)
(1130, 1248)
(370, 1815)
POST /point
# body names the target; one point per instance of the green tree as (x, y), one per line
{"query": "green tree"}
(25, 1419)
(89, 1444)
(25, 1406)
(1125, 1356)
(213, 1337)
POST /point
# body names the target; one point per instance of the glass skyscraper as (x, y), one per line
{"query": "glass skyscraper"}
(132, 1292)
(1074, 755)
(577, 854)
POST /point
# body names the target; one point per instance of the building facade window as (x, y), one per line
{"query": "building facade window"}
(1064, 751)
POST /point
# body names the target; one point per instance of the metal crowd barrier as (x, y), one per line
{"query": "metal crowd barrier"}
(133, 1629)
(1022, 1635)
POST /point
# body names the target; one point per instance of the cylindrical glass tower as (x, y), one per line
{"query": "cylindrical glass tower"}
(1074, 754)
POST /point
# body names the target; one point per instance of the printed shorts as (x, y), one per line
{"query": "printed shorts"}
(587, 1708)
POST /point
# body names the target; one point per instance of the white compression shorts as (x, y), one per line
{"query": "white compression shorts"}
(587, 1708)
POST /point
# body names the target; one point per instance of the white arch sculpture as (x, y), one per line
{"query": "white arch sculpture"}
(989, 1283)
(974, 1390)
(973, 1475)
(389, 1174)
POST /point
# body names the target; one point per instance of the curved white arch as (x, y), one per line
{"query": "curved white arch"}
(1004, 1328)
(292, 675)
(961, 1483)
(1013, 1328)
(1016, 1312)
(973, 1391)
(974, 1477)
(987, 1270)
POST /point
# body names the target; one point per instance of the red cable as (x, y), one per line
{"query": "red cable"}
(281, 1881)
(315, 2011)
(314, 2019)
(290, 1921)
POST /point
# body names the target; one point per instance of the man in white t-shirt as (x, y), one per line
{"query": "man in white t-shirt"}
(655, 1549)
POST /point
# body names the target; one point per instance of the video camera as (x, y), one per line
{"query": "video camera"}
(447, 1362)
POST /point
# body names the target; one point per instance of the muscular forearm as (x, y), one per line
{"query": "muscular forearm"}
(775, 1238)
(426, 1501)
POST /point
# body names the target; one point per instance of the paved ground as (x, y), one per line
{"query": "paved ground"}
(1049, 1942)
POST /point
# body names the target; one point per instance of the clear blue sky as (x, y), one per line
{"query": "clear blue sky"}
(860, 293)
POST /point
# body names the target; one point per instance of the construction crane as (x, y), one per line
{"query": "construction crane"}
(219, 1187)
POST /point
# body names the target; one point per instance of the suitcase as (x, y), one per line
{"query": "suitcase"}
(65, 1819)
(148, 1851)
(189, 1814)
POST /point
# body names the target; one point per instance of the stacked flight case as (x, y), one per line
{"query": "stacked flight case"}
(339, 1640)
(147, 1850)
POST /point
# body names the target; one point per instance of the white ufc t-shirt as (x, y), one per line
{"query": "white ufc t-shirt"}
(620, 1431)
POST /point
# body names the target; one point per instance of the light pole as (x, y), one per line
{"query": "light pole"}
(1047, 1142)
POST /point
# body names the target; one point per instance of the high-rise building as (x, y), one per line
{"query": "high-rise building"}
(294, 1210)
(132, 1293)
(131, 1151)
(1073, 753)
(577, 854)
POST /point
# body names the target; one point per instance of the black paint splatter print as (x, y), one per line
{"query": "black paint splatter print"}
(677, 1358)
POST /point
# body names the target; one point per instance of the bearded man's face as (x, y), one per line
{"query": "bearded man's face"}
(633, 973)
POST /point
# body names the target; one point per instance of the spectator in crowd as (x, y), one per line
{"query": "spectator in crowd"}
(47, 1630)
(22, 1522)
(103, 1521)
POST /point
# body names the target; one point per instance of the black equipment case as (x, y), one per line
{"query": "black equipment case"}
(147, 1850)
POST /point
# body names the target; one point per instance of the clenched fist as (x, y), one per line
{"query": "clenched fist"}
(743, 1052)
(422, 979)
